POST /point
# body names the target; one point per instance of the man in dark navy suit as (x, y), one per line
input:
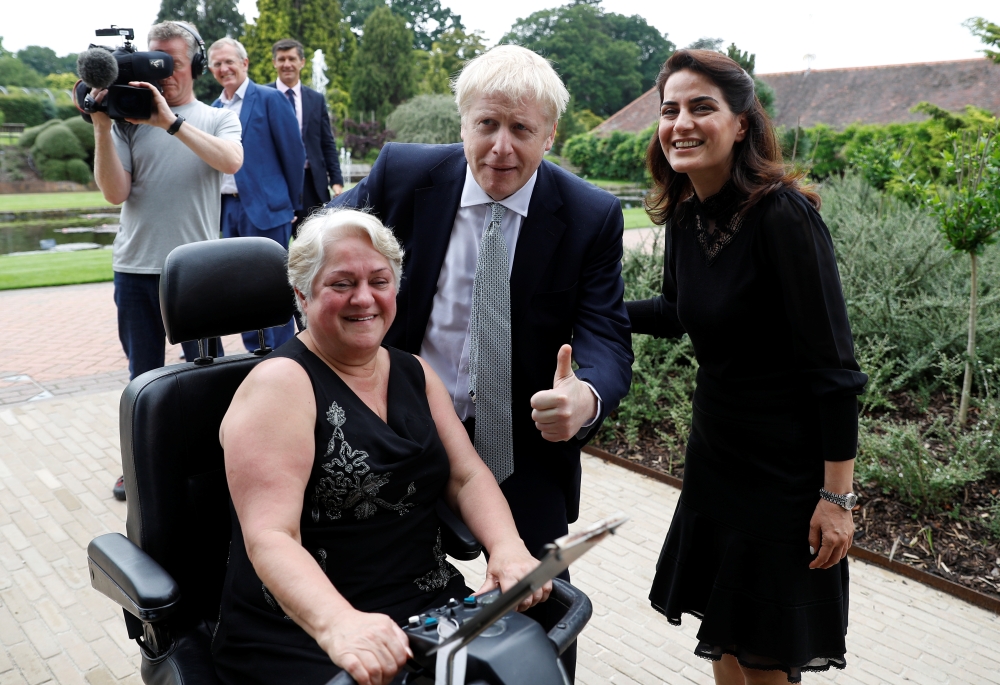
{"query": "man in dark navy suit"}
(509, 259)
(322, 164)
(262, 197)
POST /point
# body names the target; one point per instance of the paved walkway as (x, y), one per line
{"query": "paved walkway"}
(60, 453)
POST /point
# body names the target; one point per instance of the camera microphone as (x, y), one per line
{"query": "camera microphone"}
(97, 67)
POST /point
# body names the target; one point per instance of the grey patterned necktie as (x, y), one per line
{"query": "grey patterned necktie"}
(489, 350)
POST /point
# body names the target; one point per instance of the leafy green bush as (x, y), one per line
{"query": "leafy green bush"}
(67, 110)
(426, 119)
(620, 156)
(903, 291)
(52, 169)
(23, 109)
(30, 135)
(83, 131)
(924, 468)
(78, 171)
(58, 142)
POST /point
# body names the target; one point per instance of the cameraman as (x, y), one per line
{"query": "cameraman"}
(167, 170)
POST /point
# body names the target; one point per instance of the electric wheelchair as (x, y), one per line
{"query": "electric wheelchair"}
(168, 573)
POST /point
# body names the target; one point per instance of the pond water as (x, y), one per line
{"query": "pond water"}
(72, 228)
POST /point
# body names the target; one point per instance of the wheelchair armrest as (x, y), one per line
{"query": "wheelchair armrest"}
(578, 612)
(456, 538)
(123, 572)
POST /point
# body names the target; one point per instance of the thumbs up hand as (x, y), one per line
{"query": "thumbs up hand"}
(559, 413)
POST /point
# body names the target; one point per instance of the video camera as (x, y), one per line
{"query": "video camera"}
(102, 67)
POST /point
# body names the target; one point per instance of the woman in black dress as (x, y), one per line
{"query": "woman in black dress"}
(337, 450)
(757, 545)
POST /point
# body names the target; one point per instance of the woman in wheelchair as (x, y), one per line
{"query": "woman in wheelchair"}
(337, 450)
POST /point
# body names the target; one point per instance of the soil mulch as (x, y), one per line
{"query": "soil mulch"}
(953, 543)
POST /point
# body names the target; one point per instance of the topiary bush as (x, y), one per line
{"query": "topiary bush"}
(58, 142)
(426, 119)
(78, 171)
(30, 135)
(52, 169)
(84, 133)
(23, 109)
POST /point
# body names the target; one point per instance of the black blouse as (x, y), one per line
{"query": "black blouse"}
(765, 302)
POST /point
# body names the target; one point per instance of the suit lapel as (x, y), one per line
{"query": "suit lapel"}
(248, 104)
(434, 211)
(540, 235)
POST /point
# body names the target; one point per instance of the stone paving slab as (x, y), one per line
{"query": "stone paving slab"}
(58, 456)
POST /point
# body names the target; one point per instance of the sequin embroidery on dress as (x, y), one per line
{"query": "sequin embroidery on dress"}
(717, 220)
(437, 579)
(351, 483)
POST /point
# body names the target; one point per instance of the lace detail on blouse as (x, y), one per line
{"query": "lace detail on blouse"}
(345, 488)
(437, 579)
(717, 220)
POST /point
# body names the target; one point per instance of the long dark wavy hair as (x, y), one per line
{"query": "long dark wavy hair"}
(758, 168)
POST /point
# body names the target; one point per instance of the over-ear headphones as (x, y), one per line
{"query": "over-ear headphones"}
(199, 63)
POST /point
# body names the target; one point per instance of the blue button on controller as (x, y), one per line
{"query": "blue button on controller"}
(469, 601)
(430, 622)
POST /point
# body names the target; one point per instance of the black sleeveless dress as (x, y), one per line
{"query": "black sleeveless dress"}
(776, 397)
(368, 518)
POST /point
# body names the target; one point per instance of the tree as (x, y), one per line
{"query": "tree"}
(44, 60)
(654, 48)
(748, 61)
(448, 55)
(600, 69)
(318, 25)
(706, 44)
(987, 32)
(14, 72)
(427, 19)
(214, 19)
(431, 119)
(969, 219)
(382, 73)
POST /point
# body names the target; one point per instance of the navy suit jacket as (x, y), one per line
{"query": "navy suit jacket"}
(270, 180)
(321, 146)
(565, 284)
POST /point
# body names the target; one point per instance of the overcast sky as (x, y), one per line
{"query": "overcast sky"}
(844, 33)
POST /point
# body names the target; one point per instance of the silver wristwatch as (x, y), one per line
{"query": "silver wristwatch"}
(846, 501)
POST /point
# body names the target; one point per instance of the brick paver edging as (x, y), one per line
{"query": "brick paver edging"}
(980, 599)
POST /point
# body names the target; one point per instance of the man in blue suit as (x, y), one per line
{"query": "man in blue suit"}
(509, 259)
(262, 197)
(322, 163)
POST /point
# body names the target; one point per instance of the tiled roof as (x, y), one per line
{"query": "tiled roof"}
(838, 97)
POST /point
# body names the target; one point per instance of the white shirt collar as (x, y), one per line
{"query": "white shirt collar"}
(473, 194)
(297, 88)
(240, 93)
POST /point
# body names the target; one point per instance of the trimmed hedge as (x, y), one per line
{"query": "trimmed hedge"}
(429, 119)
(83, 131)
(620, 156)
(58, 142)
(78, 171)
(30, 135)
(23, 109)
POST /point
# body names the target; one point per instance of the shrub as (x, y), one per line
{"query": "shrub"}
(29, 135)
(426, 119)
(903, 291)
(620, 156)
(83, 131)
(78, 171)
(58, 142)
(52, 169)
(67, 111)
(23, 109)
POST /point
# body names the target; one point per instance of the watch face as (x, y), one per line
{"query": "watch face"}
(850, 500)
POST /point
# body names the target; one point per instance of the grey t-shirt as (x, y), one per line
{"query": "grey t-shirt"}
(175, 197)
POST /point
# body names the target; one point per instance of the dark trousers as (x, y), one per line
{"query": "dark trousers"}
(236, 223)
(140, 323)
(539, 510)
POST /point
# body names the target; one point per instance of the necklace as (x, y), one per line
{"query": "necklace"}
(717, 219)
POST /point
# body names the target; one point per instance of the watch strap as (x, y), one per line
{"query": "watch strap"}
(843, 501)
(176, 126)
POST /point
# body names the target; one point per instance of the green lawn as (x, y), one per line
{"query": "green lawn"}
(31, 201)
(60, 268)
(636, 218)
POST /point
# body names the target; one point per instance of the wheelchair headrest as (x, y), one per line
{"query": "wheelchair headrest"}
(221, 287)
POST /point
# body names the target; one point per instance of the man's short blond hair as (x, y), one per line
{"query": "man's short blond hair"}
(515, 73)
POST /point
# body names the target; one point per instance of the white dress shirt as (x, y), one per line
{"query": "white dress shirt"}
(297, 89)
(446, 340)
(234, 105)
